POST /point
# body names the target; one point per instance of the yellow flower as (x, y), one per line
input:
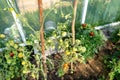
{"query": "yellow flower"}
(53, 47)
(26, 71)
(2, 36)
(11, 42)
(15, 46)
(49, 41)
(61, 41)
(33, 75)
(64, 34)
(20, 55)
(11, 9)
(23, 63)
(67, 52)
(74, 49)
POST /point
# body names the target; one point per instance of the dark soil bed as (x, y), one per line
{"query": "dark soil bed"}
(92, 70)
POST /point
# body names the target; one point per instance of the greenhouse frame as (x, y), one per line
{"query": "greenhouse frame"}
(59, 40)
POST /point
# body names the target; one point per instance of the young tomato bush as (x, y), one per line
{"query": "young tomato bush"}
(87, 42)
(16, 61)
(62, 42)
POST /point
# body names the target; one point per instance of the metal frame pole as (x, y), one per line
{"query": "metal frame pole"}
(84, 11)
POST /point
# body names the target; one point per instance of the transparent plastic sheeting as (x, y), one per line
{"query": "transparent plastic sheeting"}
(6, 19)
(12, 31)
(101, 12)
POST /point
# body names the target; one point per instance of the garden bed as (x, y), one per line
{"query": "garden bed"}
(93, 69)
(64, 50)
(85, 67)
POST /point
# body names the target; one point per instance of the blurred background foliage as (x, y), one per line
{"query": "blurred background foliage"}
(99, 12)
(6, 19)
(103, 11)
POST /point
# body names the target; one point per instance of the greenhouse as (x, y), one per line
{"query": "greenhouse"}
(59, 40)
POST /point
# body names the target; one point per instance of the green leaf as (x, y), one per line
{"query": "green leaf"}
(60, 72)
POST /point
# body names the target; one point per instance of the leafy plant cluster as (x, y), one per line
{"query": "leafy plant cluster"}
(113, 61)
(90, 38)
(6, 19)
(87, 43)
(113, 65)
(61, 41)
(15, 61)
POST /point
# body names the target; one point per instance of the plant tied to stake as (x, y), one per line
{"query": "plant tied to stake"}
(73, 21)
(73, 27)
(72, 49)
(40, 6)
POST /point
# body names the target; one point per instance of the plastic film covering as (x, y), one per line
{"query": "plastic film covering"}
(103, 11)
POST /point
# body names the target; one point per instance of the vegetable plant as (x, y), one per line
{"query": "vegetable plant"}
(113, 61)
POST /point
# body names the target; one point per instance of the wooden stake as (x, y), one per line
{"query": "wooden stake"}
(40, 7)
(73, 21)
(73, 28)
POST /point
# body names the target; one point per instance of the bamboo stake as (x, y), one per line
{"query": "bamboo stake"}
(73, 28)
(42, 38)
(73, 21)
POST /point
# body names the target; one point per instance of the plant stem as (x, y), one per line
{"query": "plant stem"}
(42, 38)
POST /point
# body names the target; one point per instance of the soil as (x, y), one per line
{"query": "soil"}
(92, 70)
